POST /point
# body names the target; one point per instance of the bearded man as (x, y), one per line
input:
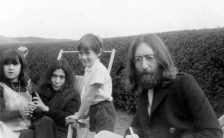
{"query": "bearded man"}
(170, 104)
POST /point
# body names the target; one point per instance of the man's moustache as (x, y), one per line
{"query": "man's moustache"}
(145, 73)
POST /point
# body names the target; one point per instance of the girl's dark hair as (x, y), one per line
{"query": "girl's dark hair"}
(12, 56)
(58, 64)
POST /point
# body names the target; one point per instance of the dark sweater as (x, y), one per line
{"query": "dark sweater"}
(61, 104)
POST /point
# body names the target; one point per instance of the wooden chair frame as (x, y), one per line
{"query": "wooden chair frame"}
(83, 132)
(113, 51)
(221, 122)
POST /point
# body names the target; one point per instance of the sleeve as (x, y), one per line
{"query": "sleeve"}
(71, 107)
(137, 129)
(4, 114)
(99, 76)
(204, 117)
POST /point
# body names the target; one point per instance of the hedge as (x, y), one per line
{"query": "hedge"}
(198, 52)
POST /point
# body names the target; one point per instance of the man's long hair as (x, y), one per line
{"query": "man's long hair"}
(58, 64)
(162, 55)
(11, 56)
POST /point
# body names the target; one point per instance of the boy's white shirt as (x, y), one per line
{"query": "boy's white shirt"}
(98, 74)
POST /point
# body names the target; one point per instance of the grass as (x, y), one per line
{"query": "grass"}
(123, 121)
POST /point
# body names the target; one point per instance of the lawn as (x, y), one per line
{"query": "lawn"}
(123, 121)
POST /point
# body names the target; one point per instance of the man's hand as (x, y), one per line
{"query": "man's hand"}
(132, 136)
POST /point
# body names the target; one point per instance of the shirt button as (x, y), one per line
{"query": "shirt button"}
(172, 130)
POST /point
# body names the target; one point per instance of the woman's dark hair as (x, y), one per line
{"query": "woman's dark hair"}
(58, 64)
(12, 56)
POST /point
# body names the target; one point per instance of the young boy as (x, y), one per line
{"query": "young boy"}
(97, 99)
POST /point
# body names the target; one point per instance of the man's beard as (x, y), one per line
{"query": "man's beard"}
(149, 80)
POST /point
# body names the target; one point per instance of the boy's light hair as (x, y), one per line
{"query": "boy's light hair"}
(90, 42)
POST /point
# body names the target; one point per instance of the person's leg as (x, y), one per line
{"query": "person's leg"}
(44, 127)
(28, 133)
(92, 117)
(61, 134)
(105, 117)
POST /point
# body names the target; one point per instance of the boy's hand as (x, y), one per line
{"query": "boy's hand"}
(71, 119)
(132, 135)
(76, 121)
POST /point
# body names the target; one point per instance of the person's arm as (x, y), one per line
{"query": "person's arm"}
(84, 108)
(87, 100)
(71, 107)
(204, 117)
(4, 114)
(91, 91)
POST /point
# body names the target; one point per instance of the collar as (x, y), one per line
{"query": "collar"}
(165, 83)
(91, 68)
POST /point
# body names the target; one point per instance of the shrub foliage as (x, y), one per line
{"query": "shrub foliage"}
(198, 52)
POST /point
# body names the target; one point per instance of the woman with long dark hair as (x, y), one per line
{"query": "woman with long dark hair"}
(57, 97)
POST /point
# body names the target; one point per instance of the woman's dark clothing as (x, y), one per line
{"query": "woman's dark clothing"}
(61, 104)
(40, 128)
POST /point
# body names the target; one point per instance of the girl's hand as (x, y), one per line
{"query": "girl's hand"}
(39, 103)
(31, 106)
(24, 111)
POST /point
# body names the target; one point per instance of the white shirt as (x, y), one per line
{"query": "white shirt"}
(150, 98)
(99, 74)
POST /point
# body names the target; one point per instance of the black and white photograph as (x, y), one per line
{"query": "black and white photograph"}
(111, 69)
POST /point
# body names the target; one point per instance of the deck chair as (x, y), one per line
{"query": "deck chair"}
(221, 122)
(84, 132)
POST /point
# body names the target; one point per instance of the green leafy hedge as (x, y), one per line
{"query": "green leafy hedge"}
(198, 52)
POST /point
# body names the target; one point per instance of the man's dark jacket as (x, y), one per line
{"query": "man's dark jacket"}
(179, 109)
